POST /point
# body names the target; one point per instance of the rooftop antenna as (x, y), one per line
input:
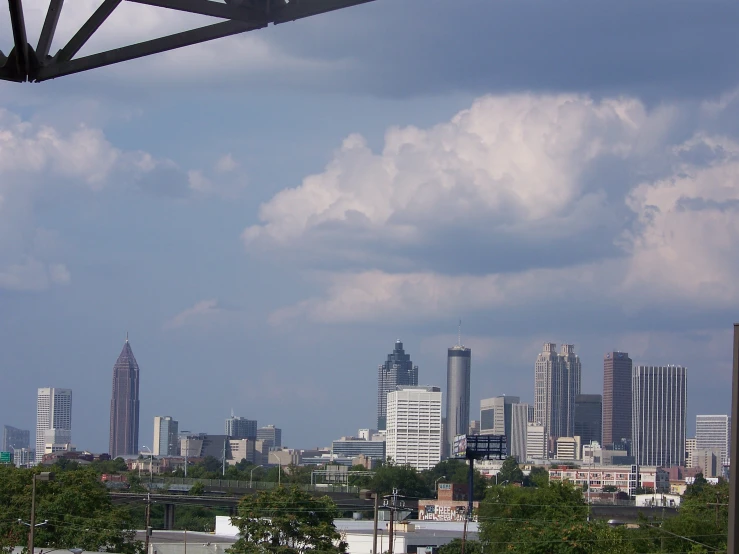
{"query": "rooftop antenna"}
(126, 336)
(459, 335)
(232, 413)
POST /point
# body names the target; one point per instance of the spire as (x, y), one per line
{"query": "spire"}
(459, 335)
(126, 336)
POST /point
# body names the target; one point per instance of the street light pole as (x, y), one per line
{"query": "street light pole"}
(436, 484)
(151, 465)
(43, 476)
(251, 475)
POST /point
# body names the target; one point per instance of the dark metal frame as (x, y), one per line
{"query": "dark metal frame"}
(478, 447)
(24, 63)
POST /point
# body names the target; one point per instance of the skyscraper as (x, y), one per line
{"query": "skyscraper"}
(270, 433)
(516, 440)
(414, 426)
(659, 415)
(124, 405)
(241, 428)
(458, 366)
(53, 411)
(588, 418)
(569, 386)
(166, 436)
(556, 384)
(713, 432)
(15, 438)
(495, 415)
(398, 370)
(616, 398)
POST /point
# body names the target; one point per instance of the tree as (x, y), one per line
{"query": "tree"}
(537, 477)
(455, 547)
(403, 477)
(703, 518)
(510, 471)
(286, 520)
(506, 510)
(76, 505)
(455, 471)
(569, 537)
(198, 489)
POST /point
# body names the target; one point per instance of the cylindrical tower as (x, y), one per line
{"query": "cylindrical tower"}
(458, 367)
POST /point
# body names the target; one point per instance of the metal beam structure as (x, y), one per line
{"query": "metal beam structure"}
(733, 538)
(26, 64)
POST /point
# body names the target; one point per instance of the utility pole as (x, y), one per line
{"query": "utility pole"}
(32, 527)
(733, 540)
(391, 503)
(148, 523)
(464, 531)
(43, 476)
(390, 528)
(374, 531)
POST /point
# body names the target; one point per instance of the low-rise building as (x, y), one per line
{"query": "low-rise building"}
(451, 504)
(284, 457)
(658, 500)
(409, 537)
(623, 478)
(352, 447)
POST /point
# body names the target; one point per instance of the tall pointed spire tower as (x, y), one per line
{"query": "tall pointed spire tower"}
(124, 405)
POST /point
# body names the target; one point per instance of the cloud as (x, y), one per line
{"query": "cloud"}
(202, 311)
(32, 275)
(226, 164)
(40, 162)
(567, 198)
(519, 170)
(225, 180)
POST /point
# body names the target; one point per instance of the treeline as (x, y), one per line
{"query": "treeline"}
(521, 514)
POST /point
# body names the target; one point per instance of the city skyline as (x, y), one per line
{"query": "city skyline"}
(363, 193)
(566, 349)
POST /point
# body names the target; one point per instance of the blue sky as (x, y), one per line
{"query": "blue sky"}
(266, 214)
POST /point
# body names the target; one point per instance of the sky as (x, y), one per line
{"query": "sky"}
(266, 214)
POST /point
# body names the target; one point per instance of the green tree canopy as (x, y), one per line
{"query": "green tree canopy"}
(537, 477)
(510, 471)
(506, 510)
(76, 505)
(702, 520)
(455, 547)
(286, 520)
(406, 479)
(569, 537)
(454, 471)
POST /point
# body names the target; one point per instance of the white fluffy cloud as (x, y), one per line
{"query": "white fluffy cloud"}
(518, 166)
(39, 161)
(200, 312)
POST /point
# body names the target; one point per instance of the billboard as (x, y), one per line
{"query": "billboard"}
(479, 447)
(459, 448)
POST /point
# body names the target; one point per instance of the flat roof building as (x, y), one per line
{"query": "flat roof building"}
(414, 434)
